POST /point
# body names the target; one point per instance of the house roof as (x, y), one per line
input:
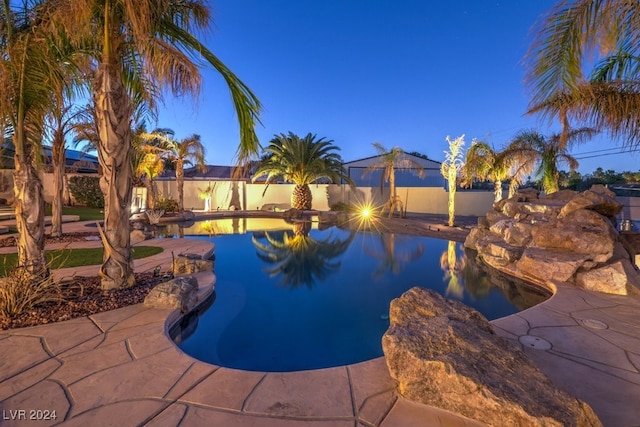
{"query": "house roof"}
(216, 172)
(368, 161)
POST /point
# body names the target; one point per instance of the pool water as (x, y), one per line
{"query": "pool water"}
(289, 303)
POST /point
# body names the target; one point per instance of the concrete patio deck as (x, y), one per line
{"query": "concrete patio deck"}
(120, 368)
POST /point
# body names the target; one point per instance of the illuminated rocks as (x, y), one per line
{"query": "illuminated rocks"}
(560, 237)
(446, 354)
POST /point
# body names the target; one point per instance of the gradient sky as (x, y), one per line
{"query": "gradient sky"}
(403, 73)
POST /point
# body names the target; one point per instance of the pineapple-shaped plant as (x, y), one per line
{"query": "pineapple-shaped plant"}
(302, 161)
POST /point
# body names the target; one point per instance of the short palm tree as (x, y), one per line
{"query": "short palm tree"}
(548, 153)
(151, 166)
(609, 98)
(189, 151)
(390, 161)
(302, 161)
(483, 162)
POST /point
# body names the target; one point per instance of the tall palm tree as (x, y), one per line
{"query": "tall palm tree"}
(61, 120)
(390, 161)
(29, 74)
(189, 151)
(450, 168)
(302, 161)
(153, 40)
(548, 153)
(609, 97)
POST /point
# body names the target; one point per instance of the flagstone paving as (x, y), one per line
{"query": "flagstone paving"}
(120, 368)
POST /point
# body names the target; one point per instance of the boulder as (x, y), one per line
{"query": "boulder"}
(562, 195)
(495, 251)
(595, 201)
(137, 236)
(619, 277)
(526, 195)
(180, 293)
(474, 235)
(545, 265)
(192, 263)
(582, 232)
(495, 216)
(519, 234)
(445, 354)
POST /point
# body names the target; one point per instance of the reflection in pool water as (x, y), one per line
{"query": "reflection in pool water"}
(295, 298)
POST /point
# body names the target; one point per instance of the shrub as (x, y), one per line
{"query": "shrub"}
(341, 207)
(166, 204)
(22, 290)
(86, 191)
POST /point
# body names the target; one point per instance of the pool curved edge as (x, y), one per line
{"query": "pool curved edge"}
(206, 287)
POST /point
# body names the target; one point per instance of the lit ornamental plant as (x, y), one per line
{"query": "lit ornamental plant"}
(451, 166)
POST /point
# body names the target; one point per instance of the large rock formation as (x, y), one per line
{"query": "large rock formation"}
(446, 354)
(565, 236)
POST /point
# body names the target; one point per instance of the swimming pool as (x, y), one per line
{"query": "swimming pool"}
(287, 302)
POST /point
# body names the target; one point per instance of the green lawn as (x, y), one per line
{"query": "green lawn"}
(84, 213)
(63, 258)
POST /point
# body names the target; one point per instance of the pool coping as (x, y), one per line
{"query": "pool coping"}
(107, 367)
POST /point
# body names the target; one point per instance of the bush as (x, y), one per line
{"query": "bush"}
(166, 204)
(86, 191)
(341, 207)
(22, 290)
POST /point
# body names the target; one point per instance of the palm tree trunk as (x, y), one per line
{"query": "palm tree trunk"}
(57, 152)
(113, 119)
(497, 191)
(392, 190)
(180, 184)
(151, 193)
(29, 208)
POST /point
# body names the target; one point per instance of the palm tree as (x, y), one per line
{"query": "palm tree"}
(302, 161)
(61, 120)
(390, 160)
(450, 168)
(609, 98)
(188, 151)
(299, 258)
(548, 153)
(153, 40)
(483, 162)
(29, 74)
(150, 167)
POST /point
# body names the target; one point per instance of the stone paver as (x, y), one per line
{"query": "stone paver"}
(120, 368)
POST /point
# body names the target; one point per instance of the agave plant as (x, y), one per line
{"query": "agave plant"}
(299, 258)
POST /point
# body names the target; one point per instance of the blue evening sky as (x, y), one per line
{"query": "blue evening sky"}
(403, 73)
